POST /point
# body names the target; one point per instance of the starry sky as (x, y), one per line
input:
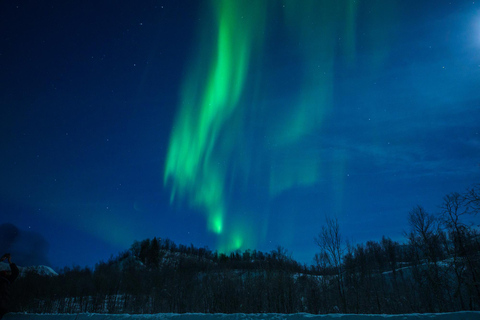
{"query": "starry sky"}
(230, 124)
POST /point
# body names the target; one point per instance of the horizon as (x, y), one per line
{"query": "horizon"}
(470, 220)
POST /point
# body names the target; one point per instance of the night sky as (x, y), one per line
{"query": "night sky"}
(230, 124)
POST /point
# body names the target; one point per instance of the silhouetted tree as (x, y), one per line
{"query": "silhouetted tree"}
(329, 240)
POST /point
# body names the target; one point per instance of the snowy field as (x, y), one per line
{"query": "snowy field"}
(241, 316)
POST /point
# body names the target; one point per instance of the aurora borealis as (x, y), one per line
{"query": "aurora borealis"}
(233, 124)
(201, 136)
(224, 86)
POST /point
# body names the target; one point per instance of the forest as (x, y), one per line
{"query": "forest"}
(436, 269)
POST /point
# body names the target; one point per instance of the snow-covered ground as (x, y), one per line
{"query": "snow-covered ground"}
(240, 316)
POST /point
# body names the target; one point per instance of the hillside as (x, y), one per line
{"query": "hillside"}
(159, 276)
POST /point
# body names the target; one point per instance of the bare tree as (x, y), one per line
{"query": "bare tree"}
(452, 210)
(424, 238)
(454, 207)
(424, 233)
(472, 199)
(331, 245)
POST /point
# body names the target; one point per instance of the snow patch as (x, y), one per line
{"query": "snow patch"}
(40, 270)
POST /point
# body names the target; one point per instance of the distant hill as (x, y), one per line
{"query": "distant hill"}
(40, 270)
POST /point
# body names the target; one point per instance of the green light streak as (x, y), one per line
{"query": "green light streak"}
(209, 128)
(202, 137)
(323, 30)
(239, 235)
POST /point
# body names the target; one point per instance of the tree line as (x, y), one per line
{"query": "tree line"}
(436, 269)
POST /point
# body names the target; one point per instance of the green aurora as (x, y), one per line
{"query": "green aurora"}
(226, 90)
